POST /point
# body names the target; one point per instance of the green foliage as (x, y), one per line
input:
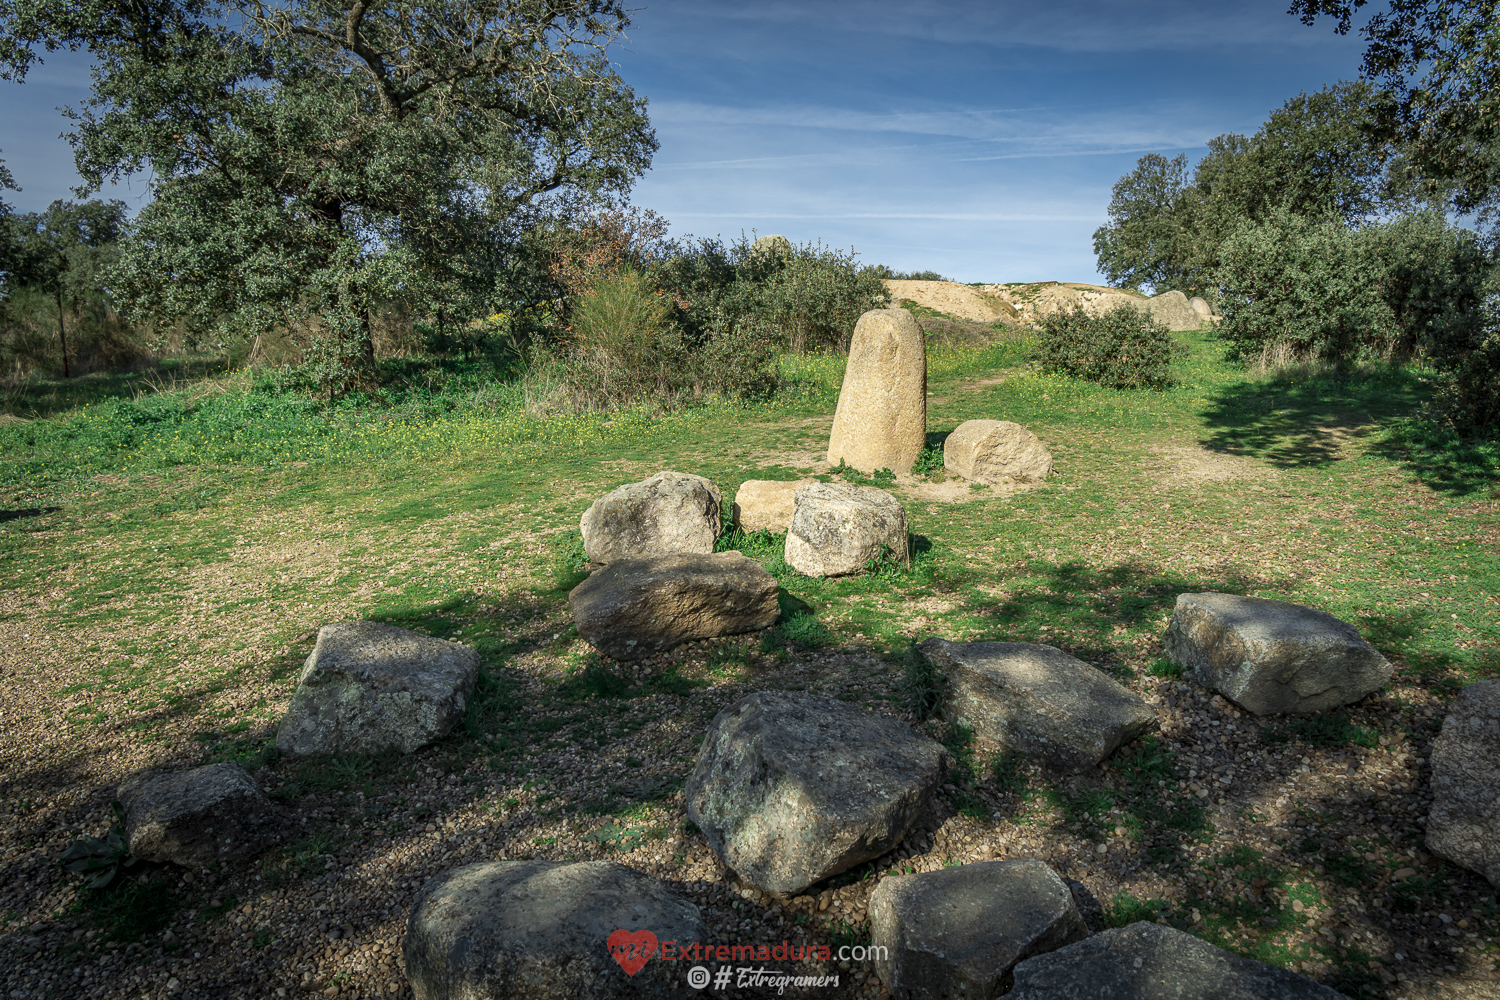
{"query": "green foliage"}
(804, 630)
(629, 348)
(1327, 729)
(805, 299)
(930, 462)
(921, 686)
(1126, 909)
(1163, 667)
(570, 563)
(100, 859)
(880, 478)
(299, 174)
(1122, 349)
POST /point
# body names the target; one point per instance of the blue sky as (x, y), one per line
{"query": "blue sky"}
(976, 139)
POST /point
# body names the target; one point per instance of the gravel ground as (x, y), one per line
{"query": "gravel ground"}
(602, 778)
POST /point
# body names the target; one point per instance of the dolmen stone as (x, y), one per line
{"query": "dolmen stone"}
(196, 817)
(1173, 310)
(547, 930)
(1149, 961)
(766, 505)
(1201, 307)
(837, 529)
(958, 932)
(1464, 822)
(669, 512)
(996, 451)
(1271, 657)
(881, 418)
(791, 787)
(1037, 701)
(636, 608)
(368, 687)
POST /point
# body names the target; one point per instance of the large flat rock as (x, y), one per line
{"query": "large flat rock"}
(790, 788)
(368, 687)
(1038, 701)
(199, 816)
(1147, 961)
(958, 932)
(541, 930)
(668, 513)
(1464, 823)
(637, 608)
(1272, 657)
(838, 529)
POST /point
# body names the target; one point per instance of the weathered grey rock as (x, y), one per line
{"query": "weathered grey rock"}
(500, 930)
(790, 788)
(1038, 701)
(837, 529)
(368, 687)
(195, 817)
(1200, 306)
(1271, 657)
(1464, 824)
(637, 608)
(1147, 961)
(957, 932)
(764, 505)
(1172, 309)
(996, 451)
(881, 418)
(670, 512)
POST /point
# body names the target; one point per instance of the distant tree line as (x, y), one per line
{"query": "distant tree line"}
(1329, 234)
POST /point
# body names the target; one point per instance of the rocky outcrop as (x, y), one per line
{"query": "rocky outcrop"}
(766, 505)
(958, 932)
(547, 930)
(954, 299)
(1271, 657)
(837, 530)
(790, 788)
(1173, 310)
(881, 418)
(1147, 961)
(996, 451)
(637, 608)
(196, 817)
(368, 687)
(669, 512)
(1464, 824)
(1037, 701)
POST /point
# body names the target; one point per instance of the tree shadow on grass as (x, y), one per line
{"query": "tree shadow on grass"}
(1305, 422)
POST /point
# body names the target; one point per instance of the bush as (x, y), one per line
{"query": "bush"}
(1123, 348)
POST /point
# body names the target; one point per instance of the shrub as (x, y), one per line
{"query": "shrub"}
(1123, 348)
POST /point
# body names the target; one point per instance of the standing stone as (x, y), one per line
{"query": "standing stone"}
(838, 529)
(368, 687)
(542, 930)
(637, 608)
(958, 932)
(195, 817)
(1148, 961)
(1202, 308)
(996, 451)
(1038, 701)
(790, 788)
(670, 512)
(1464, 824)
(1271, 657)
(764, 505)
(881, 419)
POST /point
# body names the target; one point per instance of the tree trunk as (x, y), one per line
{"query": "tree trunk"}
(62, 333)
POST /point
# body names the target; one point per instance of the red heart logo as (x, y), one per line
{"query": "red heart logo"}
(632, 950)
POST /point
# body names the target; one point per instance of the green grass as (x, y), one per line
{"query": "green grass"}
(131, 521)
